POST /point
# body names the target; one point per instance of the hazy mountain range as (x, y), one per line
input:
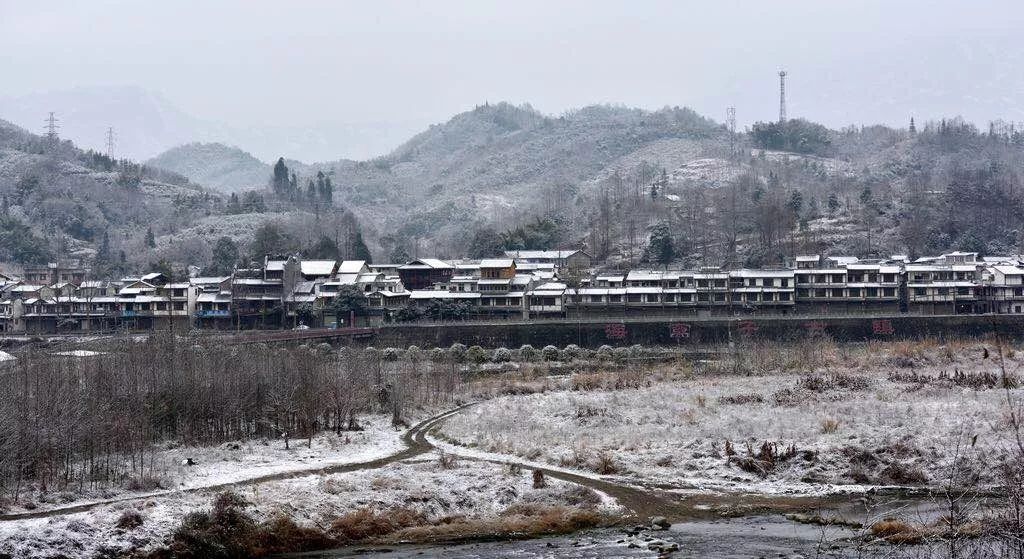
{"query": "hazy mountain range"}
(146, 124)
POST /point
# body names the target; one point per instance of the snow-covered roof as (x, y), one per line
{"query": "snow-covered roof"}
(425, 263)
(275, 265)
(542, 254)
(347, 279)
(762, 273)
(213, 298)
(496, 263)
(1008, 270)
(207, 280)
(317, 267)
(427, 294)
(351, 266)
(644, 275)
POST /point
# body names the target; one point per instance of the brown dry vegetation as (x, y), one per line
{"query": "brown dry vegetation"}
(73, 424)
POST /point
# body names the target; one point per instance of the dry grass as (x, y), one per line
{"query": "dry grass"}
(366, 523)
(518, 521)
(829, 426)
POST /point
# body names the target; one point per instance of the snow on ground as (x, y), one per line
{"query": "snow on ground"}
(848, 432)
(238, 461)
(468, 488)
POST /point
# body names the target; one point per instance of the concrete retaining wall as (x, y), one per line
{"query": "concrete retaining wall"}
(692, 330)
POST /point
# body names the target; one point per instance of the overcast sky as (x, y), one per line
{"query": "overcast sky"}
(299, 63)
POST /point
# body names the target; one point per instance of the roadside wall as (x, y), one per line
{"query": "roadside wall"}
(692, 330)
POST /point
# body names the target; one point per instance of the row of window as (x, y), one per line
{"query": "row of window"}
(850, 292)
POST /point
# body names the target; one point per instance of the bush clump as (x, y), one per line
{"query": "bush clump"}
(477, 355)
(605, 353)
(391, 354)
(438, 354)
(457, 352)
(502, 355)
(550, 353)
(527, 353)
(573, 352)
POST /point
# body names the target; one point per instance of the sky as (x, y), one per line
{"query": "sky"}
(400, 66)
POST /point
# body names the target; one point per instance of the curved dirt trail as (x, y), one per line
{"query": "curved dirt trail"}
(415, 445)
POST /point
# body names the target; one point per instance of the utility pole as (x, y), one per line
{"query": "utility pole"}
(51, 128)
(782, 96)
(110, 142)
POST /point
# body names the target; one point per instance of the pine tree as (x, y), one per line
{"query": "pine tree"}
(328, 190)
(359, 249)
(661, 248)
(280, 183)
(311, 190)
(150, 238)
(913, 128)
(234, 206)
(833, 204)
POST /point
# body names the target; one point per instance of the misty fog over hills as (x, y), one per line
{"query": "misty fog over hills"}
(146, 123)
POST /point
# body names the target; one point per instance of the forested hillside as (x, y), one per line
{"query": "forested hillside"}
(59, 202)
(671, 186)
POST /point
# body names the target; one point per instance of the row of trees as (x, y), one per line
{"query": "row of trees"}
(286, 185)
(70, 424)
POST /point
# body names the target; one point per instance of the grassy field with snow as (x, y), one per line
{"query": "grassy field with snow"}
(843, 419)
(453, 497)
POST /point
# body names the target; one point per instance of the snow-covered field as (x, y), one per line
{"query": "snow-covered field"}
(189, 467)
(843, 428)
(470, 489)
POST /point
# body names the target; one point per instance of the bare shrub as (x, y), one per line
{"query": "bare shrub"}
(829, 426)
(129, 520)
(740, 399)
(604, 464)
(447, 461)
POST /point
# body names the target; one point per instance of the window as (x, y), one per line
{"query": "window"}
(784, 282)
(819, 293)
(784, 296)
(685, 297)
(919, 292)
(652, 297)
(702, 283)
(703, 297)
(615, 298)
(670, 298)
(872, 292)
(719, 283)
(719, 297)
(889, 292)
(855, 292)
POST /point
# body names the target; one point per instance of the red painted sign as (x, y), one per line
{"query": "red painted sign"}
(882, 327)
(679, 331)
(747, 327)
(615, 331)
(815, 328)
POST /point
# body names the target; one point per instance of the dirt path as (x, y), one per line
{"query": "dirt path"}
(415, 445)
(639, 502)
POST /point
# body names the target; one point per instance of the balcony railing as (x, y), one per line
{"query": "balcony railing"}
(213, 314)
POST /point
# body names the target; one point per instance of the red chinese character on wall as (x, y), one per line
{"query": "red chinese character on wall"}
(615, 331)
(679, 331)
(747, 327)
(815, 328)
(882, 327)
